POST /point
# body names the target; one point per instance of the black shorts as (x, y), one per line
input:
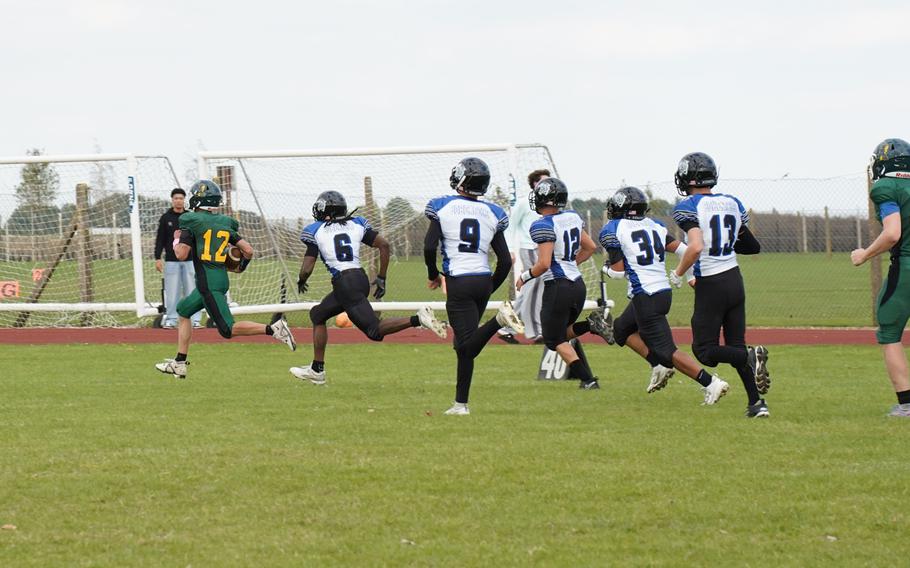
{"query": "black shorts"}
(647, 315)
(563, 301)
(720, 302)
(350, 291)
(466, 300)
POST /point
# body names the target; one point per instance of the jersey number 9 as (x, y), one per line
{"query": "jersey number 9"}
(470, 236)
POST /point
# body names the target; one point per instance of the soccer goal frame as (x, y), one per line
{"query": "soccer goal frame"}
(207, 166)
(129, 179)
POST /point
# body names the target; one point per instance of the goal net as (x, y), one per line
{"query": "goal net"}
(272, 194)
(77, 236)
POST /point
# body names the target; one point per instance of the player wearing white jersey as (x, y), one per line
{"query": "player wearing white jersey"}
(466, 230)
(562, 244)
(636, 246)
(336, 237)
(715, 226)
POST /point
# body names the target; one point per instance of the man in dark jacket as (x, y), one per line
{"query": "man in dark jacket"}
(179, 277)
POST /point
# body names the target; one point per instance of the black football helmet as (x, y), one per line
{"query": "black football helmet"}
(550, 191)
(205, 193)
(330, 206)
(891, 155)
(695, 170)
(628, 203)
(472, 176)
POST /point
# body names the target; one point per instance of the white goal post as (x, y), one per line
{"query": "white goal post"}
(272, 192)
(76, 237)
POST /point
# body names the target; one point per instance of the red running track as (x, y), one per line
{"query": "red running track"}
(683, 336)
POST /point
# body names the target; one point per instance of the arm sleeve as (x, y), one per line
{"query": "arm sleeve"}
(615, 255)
(187, 238)
(369, 236)
(888, 208)
(542, 232)
(430, 211)
(746, 243)
(308, 235)
(159, 239)
(503, 260)
(311, 250)
(235, 238)
(430, 244)
(503, 222)
(685, 216)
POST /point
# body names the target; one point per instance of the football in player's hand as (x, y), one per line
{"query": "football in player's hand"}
(234, 256)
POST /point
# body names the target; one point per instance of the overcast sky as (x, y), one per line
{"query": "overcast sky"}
(617, 90)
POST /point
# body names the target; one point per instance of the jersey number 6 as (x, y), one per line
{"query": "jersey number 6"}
(343, 250)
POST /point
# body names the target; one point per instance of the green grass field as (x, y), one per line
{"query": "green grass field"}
(784, 290)
(105, 462)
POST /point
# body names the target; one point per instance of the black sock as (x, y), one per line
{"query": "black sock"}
(581, 328)
(269, 330)
(465, 370)
(652, 359)
(180, 357)
(748, 378)
(704, 378)
(903, 397)
(415, 321)
(581, 371)
(318, 366)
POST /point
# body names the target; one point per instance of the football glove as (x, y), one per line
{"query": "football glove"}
(301, 286)
(675, 279)
(244, 262)
(380, 287)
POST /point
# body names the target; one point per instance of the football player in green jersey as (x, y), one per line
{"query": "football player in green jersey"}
(890, 170)
(204, 238)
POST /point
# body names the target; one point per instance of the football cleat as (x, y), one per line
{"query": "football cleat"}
(660, 375)
(717, 389)
(900, 411)
(758, 360)
(601, 322)
(458, 409)
(173, 367)
(282, 332)
(758, 410)
(308, 374)
(428, 321)
(590, 385)
(507, 337)
(506, 317)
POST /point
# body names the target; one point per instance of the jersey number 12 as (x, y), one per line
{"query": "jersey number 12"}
(207, 246)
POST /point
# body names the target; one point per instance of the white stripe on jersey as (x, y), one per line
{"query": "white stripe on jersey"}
(720, 218)
(468, 227)
(564, 230)
(338, 243)
(642, 243)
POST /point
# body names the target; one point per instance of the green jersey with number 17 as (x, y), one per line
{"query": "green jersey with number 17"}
(212, 233)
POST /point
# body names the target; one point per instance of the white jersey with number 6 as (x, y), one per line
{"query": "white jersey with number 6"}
(720, 218)
(339, 243)
(468, 227)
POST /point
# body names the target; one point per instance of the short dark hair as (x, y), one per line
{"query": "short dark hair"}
(535, 176)
(177, 191)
